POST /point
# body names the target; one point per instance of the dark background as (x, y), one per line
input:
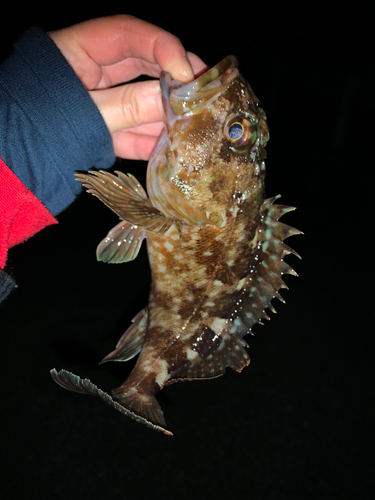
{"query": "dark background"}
(296, 423)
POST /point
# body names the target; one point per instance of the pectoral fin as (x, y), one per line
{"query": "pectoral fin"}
(127, 198)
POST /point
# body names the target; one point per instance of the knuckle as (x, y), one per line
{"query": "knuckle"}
(132, 105)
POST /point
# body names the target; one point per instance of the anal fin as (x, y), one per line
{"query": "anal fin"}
(229, 353)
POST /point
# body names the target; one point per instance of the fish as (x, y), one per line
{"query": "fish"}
(215, 243)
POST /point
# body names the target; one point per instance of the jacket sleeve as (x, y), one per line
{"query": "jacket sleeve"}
(49, 128)
(49, 125)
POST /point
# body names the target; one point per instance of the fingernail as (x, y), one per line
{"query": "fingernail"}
(187, 72)
(180, 69)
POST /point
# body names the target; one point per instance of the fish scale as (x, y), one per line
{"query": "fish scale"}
(215, 245)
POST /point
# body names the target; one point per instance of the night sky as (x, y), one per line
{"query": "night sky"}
(295, 424)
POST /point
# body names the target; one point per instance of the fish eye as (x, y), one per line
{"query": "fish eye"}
(240, 133)
(235, 131)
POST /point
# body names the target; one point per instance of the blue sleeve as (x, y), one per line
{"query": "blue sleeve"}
(49, 125)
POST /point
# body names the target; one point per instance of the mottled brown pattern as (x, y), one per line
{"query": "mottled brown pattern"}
(216, 251)
(196, 270)
(208, 342)
(217, 185)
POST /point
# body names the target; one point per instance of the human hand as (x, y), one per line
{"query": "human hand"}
(112, 50)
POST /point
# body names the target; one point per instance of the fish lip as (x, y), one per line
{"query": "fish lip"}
(187, 98)
(212, 75)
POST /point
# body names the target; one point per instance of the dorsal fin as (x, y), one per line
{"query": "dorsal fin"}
(267, 266)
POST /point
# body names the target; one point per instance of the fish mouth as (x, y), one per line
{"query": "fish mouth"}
(180, 98)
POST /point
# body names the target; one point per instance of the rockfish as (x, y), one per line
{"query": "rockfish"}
(214, 243)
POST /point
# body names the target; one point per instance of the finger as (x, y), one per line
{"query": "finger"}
(197, 64)
(131, 68)
(107, 41)
(130, 105)
(133, 146)
(153, 129)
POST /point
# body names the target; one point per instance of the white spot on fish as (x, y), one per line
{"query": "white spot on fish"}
(161, 368)
(202, 271)
(241, 284)
(234, 210)
(219, 325)
(191, 355)
(200, 283)
(168, 246)
(215, 292)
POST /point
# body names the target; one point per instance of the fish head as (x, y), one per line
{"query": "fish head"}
(211, 154)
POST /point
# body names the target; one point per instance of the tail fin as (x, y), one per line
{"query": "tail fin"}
(136, 405)
(141, 404)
